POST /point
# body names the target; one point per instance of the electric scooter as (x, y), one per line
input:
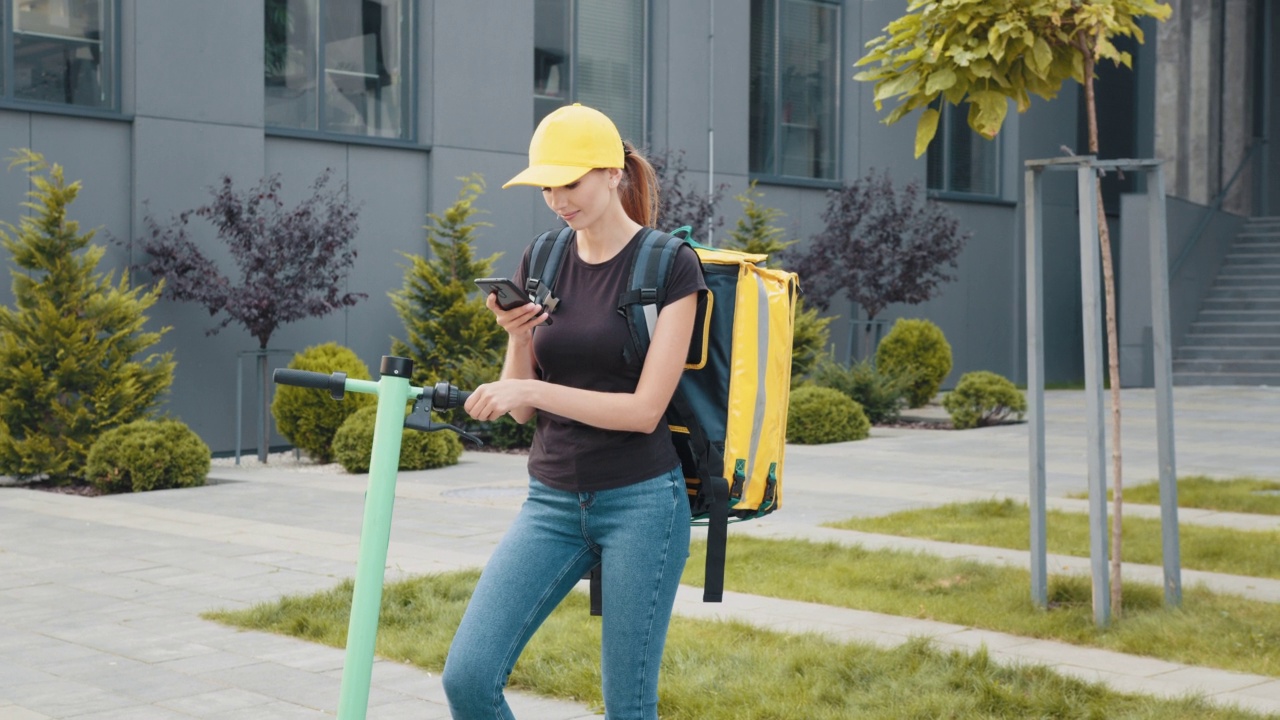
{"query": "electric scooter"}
(393, 391)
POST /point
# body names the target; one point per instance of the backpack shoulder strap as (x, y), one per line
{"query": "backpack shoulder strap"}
(650, 267)
(544, 263)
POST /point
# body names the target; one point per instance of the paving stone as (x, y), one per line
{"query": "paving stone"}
(13, 712)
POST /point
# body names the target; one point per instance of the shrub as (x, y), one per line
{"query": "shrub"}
(307, 417)
(75, 358)
(147, 455)
(881, 395)
(983, 398)
(353, 445)
(919, 348)
(823, 415)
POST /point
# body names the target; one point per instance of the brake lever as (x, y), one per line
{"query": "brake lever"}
(420, 419)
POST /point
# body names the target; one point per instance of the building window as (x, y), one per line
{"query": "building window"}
(592, 52)
(340, 66)
(63, 52)
(960, 160)
(795, 88)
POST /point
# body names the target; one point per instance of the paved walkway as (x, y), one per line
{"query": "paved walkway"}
(100, 597)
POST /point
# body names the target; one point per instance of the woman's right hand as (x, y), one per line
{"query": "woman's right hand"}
(519, 322)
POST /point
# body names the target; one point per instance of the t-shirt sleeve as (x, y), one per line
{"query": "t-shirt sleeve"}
(518, 276)
(686, 275)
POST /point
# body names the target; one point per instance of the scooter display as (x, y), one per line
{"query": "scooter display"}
(393, 391)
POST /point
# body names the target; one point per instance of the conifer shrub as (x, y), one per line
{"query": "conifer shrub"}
(881, 395)
(449, 333)
(307, 417)
(147, 455)
(983, 398)
(916, 347)
(819, 415)
(75, 359)
(353, 445)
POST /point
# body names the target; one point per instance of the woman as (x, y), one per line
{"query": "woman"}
(605, 482)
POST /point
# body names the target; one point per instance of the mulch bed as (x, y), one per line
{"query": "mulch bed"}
(82, 489)
(918, 424)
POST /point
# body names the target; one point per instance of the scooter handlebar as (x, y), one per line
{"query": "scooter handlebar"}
(335, 383)
(444, 396)
(301, 378)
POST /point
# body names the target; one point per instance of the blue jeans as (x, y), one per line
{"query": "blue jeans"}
(641, 535)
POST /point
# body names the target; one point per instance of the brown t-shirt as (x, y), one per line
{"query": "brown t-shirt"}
(587, 347)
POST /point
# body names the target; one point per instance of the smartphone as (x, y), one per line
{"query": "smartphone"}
(509, 294)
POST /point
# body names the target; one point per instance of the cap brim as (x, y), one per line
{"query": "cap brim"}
(548, 175)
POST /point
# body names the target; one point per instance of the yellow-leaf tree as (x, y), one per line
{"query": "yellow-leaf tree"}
(988, 52)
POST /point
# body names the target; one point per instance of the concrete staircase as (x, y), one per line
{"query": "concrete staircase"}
(1235, 340)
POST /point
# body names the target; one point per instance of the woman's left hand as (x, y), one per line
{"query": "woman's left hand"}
(493, 400)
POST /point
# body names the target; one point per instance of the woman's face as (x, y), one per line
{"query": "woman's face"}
(581, 204)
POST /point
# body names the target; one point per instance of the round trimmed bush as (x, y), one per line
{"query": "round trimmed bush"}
(147, 455)
(307, 417)
(983, 398)
(353, 445)
(822, 415)
(916, 349)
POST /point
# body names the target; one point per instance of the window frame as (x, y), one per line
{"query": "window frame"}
(943, 136)
(646, 69)
(409, 139)
(111, 50)
(774, 178)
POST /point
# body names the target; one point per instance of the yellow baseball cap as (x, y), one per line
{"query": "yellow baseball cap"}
(569, 143)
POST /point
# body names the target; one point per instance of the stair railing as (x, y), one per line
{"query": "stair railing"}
(1216, 205)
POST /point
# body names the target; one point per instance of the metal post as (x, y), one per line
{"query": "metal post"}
(264, 431)
(239, 409)
(263, 425)
(375, 536)
(1087, 186)
(1162, 355)
(1035, 386)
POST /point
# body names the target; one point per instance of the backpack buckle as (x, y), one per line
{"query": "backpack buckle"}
(648, 296)
(541, 294)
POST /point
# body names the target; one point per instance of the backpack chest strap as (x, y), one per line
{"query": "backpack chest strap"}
(544, 263)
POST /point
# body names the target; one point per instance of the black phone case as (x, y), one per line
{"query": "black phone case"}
(509, 294)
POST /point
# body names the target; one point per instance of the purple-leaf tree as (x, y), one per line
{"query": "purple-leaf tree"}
(880, 246)
(293, 262)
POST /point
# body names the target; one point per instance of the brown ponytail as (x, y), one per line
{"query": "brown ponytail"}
(639, 188)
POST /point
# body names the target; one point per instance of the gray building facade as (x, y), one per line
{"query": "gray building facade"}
(150, 102)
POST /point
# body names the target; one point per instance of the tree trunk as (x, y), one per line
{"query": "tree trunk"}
(1113, 344)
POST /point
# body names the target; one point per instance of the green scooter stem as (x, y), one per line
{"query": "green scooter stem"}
(393, 391)
(375, 535)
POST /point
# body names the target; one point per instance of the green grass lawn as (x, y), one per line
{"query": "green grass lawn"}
(1241, 494)
(1209, 629)
(1005, 523)
(729, 671)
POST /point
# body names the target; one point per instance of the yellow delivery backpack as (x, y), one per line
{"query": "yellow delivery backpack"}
(729, 413)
